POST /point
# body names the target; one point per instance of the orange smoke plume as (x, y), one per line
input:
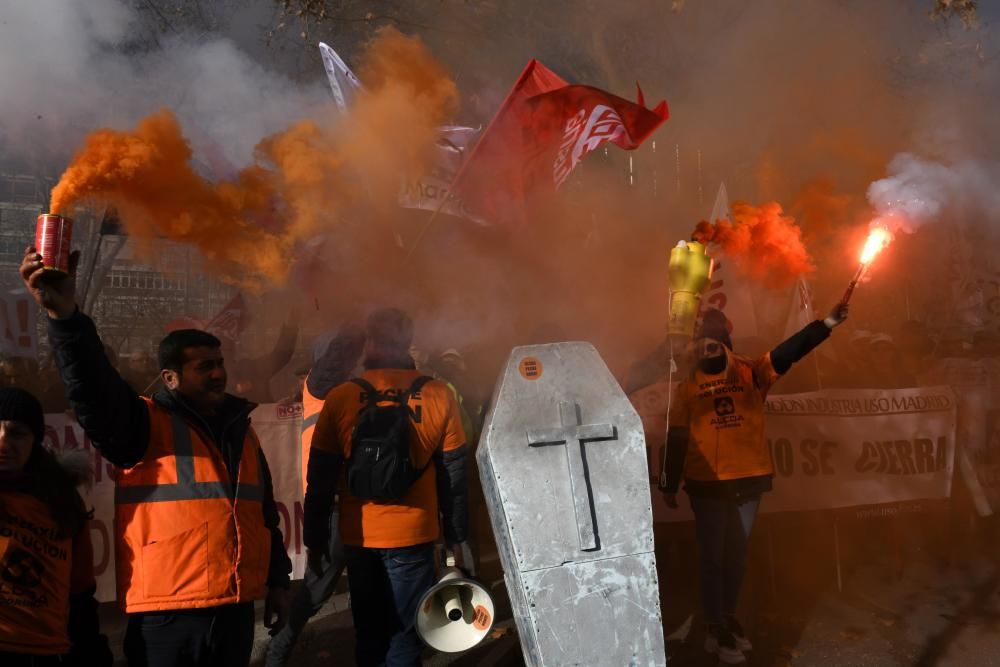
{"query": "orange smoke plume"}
(301, 179)
(765, 244)
(147, 175)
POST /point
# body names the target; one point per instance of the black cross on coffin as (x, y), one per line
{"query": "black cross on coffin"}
(574, 434)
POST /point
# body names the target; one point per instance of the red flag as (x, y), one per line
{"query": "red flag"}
(231, 320)
(541, 132)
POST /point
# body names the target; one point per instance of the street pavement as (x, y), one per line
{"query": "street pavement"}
(910, 600)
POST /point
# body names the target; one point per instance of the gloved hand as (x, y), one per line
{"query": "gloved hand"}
(837, 316)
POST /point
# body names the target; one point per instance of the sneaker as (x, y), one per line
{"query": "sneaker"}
(740, 637)
(720, 642)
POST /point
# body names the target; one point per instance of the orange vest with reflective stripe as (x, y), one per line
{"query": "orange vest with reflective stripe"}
(35, 567)
(185, 536)
(311, 407)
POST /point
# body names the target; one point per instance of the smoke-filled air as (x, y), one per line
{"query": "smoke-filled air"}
(301, 181)
(763, 242)
(711, 290)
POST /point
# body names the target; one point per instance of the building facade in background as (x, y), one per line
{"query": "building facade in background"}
(130, 298)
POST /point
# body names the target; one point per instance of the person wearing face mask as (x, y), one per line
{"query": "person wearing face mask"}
(196, 524)
(716, 442)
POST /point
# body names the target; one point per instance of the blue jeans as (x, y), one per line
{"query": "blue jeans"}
(386, 585)
(309, 599)
(723, 527)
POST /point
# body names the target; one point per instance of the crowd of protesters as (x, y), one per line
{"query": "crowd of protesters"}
(197, 535)
(153, 417)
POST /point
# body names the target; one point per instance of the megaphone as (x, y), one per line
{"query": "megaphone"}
(455, 614)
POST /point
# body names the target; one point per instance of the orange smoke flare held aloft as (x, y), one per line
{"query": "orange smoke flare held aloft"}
(299, 182)
(765, 244)
(146, 174)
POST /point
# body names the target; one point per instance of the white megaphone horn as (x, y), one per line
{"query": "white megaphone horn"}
(456, 613)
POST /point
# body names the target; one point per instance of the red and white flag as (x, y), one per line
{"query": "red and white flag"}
(541, 132)
(231, 320)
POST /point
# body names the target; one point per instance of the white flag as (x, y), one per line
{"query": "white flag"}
(800, 311)
(728, 291)
(343, 83)
(430, 190)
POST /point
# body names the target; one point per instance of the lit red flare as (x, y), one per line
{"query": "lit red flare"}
(878, 239)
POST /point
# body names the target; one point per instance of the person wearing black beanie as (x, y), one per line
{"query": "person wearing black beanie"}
(716, 442)
(48, 614)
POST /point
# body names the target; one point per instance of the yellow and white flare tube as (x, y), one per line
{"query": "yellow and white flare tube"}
(689, 273)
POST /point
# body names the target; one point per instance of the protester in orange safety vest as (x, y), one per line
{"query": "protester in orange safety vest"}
(334, 357)
(196, 524)
(716, 440)
(48, 614)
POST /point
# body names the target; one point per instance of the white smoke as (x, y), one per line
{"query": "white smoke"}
(69, 67)
(918, 191)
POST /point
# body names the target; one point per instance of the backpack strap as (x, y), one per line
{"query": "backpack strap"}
(366, 386)
(415, 388)
(418, 384)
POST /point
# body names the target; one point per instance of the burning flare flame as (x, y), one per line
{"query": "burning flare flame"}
(878, 238)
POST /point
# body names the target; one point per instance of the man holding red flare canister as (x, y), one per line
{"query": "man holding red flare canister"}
(196, 523)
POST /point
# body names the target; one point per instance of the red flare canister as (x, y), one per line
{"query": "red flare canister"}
(53, 236)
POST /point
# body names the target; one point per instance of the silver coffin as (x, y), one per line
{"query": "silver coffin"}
(562, 460)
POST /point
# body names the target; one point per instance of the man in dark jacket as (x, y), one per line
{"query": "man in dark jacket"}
(389, 546)
(196, 521)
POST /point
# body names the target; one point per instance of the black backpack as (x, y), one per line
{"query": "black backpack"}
(380, 468)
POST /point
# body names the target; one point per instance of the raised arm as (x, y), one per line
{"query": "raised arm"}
(110, 411)
(799, 344)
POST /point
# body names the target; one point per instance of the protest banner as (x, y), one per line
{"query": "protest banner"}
(839, 448)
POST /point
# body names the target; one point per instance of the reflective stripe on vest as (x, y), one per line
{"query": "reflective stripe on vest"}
(186, 535)
(186, 487)
(312, 407)
(310, 421)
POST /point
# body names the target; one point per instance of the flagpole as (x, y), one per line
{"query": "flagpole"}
(819, 376)
(423, 230)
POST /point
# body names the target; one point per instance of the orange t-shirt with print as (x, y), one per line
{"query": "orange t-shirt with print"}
(39, 570)
(437, 425)
(725, 415)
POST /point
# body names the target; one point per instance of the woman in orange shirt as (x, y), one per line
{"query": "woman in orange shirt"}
(48, 614)
(716, 442)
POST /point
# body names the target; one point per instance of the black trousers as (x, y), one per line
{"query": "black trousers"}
(191, 637)
(25, 660)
